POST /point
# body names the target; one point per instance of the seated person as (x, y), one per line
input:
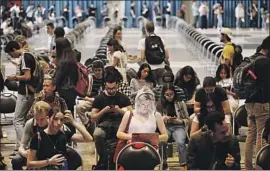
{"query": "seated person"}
(123, 86)
(209, 98)
(144, 119)
(214, 149)
(167, 78)
(97, 86)
(50, 96)
(175, 116)
(144, 78)
(38, 123)
(224, 80)
(48, 147)
(187, 80)
(108, 109)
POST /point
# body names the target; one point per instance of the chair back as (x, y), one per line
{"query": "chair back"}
(8, 103)
(240, 118)
(74, 159)
(138, 156)
(263, 158)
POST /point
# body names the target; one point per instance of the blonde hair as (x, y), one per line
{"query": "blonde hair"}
(22, 41)
(42, 107)
(43, 64)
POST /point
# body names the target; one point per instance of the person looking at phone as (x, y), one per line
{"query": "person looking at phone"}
(214, 149)
(176, 118)
(107, 111)
(41, 148)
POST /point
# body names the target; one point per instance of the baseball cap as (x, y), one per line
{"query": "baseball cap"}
(227, 32)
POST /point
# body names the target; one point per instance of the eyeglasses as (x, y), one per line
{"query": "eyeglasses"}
(111, 89)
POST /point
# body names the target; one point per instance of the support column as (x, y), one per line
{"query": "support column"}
(189, 16)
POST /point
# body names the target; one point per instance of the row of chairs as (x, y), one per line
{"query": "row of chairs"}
(200, 46)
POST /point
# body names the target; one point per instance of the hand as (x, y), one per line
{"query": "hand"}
(89, 99)
(116, 109)
(25, 153)
(166, 118)
(11, 77)
(106, 109)
(229, 160)
(56, 160)
(68, 118)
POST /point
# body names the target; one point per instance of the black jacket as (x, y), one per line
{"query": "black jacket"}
(203, 154)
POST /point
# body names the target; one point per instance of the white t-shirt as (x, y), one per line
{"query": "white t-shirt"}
(142, 47)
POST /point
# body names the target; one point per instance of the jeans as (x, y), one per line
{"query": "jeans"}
(258, 113)
(203, 22)
(219, 21)
(179, 135)
(167, 16)
(23, 105)
(195, 21)
(238, 22)
(100, 139)
(18, 162)
(263, 21)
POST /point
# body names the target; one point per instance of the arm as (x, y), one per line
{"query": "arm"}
(96, 113)
(132, 87)
(26, 138)
(32, 161)
(226, 107)
(166, 54)
(115, 61)
(120, 133)
(84, 136)
(191, 156)
(195, 128)
(162, 129)
(197, 107)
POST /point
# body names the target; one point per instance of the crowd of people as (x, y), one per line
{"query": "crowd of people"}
(155, 101)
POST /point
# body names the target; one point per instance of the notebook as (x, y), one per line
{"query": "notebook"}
(150, 138)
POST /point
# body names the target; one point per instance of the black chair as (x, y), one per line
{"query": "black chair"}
(138, 156)
(263, 158)
(240, 119)
(7, 105)
(131, 73)
(11, 85)
(74, 159)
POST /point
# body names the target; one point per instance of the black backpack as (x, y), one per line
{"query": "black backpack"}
(154, 50)
(244, 78)
(238, 57)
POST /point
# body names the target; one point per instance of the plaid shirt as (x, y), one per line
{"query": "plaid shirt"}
(179, 92)
(58, 103)
(124, 88)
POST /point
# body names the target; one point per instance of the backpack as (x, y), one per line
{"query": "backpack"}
(82, 86)
(244, 78)
(38, 76)
(238, 57)
(154, 50)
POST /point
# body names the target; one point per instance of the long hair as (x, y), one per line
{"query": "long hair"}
(220, 67)
(163, 100)
(64, 50)
(180, 82)
(149, 77)
(118, 47)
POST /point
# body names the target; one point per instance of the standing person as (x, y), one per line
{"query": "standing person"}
(264, 12)
(156, 56)
(156, 11)
(168, 12)
(92, 10)
(145, 11)
(51, 38)
(66, 14)
(182, 12)
(257, 104)
(239, 15)
(253, 16)
(228, 50)
(133, 13)
(219, 17)
(195, 13)
(25, 96)
(66, 75)
(204, 10)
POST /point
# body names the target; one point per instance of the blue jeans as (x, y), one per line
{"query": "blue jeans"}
(178, 133)
(220, 21)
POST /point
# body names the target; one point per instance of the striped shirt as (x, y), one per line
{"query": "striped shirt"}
(179, 92)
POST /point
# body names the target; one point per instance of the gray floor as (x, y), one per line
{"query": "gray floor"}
(179, 57)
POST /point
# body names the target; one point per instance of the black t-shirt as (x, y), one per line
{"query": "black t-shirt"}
(171, 109)
(1, 81)
(27, 62)
(103, 100)
(49, 145)
(262, 70)
(219, 96)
